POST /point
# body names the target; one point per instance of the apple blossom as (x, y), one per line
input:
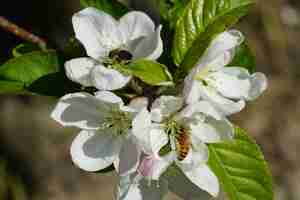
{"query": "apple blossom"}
(109, 43)
(108, 130)
(225, 87)
(201, 122)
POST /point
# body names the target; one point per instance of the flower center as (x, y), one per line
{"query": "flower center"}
(203, 75)
(119, 122)
(120, 55)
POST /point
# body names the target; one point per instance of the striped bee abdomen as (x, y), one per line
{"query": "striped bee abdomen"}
(183, 144)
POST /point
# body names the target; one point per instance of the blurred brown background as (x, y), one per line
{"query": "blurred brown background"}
(34, 150)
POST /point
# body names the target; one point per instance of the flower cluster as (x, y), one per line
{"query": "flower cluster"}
(139, 136)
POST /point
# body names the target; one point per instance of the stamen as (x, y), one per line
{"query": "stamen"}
(203, 75)
(118, 121)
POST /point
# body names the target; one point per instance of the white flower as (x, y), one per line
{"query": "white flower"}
(184, 132)
(108, 40)
(108, 130)
(225, 87)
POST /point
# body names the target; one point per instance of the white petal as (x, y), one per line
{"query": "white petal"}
(135, 188)
(205, 66)
(205, 132)
(183, 187)
(198, 154)
(134, 25)
(158, 138)
(223, 127)
(97, 31)
(259, 84)
(223, 104)
(225, 41)
(161, 165)
(152, 166)
(164, 106)
(108, 79)
(128, 158)
(191, 89)
(108, 97)
(80, 110)
(141, 125)
(228, 107)
(211, 130)
(150, 47)
(220, 53)
(237, 83)
(222, 47)
(195, 90)
(204, 178)
(139, 103)
(111, 98)
(231, 82)
(153, 139)
(79, 69)
(93, 151)
(204, 107)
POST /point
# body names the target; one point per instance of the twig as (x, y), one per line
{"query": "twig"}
(22, 33)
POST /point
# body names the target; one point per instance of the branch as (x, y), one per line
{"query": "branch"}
(21, 33)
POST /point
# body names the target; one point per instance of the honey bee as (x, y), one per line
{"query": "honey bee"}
(183, 144)
(120, 55)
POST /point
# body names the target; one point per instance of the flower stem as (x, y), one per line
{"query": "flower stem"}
(21, 33)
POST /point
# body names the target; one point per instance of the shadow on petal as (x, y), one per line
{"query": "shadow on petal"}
(180, 185)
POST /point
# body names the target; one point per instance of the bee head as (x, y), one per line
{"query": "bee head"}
(120, 55)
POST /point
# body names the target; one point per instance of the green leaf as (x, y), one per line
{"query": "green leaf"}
(112, 7)
(55, 84)
(24, 48)
(11, 87)
(199, 23)
(73, 49)
(244, 58)
(19, 73)
(151, 72)
(241, 168)
(171, 10)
